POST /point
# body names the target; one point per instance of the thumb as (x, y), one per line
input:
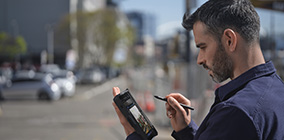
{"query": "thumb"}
(175, 104)
(115, 91)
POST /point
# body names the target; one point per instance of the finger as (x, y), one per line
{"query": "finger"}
(169, 111)
(115, 91)
(175, 105)
(168, 107)
(169, 114)
(180, 98)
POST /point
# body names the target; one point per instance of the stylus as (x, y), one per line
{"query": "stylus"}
(165, 99)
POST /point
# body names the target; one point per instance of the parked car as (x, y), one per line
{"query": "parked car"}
(5, 77)
(65, 79)
(4, 81)
(112, 72)
(50, 68)
(91, 76)
(23, 74)
(30, 85)
(66, 82)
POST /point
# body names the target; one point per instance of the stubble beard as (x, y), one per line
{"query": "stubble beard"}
(222, 67)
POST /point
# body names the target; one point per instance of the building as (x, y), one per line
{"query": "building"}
(144, 24)
(35, 20)
(145, 27)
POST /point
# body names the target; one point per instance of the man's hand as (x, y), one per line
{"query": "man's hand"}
(126, 125)
(180, 117)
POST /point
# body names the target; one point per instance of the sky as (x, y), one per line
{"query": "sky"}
(164, 10)
(169, 14)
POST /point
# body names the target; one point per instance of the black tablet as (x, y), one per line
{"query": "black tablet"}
(135, 116)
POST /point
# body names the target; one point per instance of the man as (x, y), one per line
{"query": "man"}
(249, 107)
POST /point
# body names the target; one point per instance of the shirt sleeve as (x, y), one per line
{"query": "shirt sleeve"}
(187, 133)
(134, 136)
(228, 123)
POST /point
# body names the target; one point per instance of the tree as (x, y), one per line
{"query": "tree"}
(99, 34)
(12, 46)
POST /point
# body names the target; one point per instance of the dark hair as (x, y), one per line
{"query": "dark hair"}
(218, 15)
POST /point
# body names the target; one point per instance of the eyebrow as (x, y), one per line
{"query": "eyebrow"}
(200, 44)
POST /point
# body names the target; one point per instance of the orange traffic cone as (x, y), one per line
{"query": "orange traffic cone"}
(140, 100)
(149, 100)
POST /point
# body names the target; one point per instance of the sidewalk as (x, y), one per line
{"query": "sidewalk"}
(158, 117)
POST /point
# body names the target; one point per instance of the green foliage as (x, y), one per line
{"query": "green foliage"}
(109, 29)
(98, 34)
(10, 46)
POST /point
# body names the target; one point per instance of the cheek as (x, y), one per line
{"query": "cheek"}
(210, 58)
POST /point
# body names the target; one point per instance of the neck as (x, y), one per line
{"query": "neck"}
(247, 58)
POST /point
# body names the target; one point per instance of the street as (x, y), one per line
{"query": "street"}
(89, 115)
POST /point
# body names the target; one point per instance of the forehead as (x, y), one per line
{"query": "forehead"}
(201, 34)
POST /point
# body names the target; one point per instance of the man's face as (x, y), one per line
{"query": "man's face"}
(212, 54)
(222, 66)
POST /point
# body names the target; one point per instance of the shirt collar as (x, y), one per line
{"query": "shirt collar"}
(226, 91)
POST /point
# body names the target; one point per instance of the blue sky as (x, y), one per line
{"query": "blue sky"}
(171, 12)
(164, 10)
(168, 13)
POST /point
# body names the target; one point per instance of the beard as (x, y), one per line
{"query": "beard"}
(222, 66)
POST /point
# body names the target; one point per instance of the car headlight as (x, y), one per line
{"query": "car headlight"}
(54, 87)
(68, 86)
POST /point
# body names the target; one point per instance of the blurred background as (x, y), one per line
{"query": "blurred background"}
(60, 59)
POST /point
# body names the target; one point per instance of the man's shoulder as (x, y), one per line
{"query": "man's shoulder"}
(262, 101)
(259, 92)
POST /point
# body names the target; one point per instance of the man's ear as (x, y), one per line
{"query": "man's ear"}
(230, 39)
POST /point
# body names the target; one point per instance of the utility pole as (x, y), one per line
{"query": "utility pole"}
(188, 52)
(194, 87)
(50, 43)
(190, 69)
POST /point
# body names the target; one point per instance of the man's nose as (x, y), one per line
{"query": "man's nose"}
(200, 59)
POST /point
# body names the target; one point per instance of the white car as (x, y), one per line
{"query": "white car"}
(65, 79)
(5, 77)
(66, 82)
(32, 86)
(90, 76)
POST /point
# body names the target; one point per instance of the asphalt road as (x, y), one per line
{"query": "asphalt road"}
(87, 116)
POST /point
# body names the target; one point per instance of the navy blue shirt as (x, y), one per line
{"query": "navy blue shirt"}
(250, 107)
